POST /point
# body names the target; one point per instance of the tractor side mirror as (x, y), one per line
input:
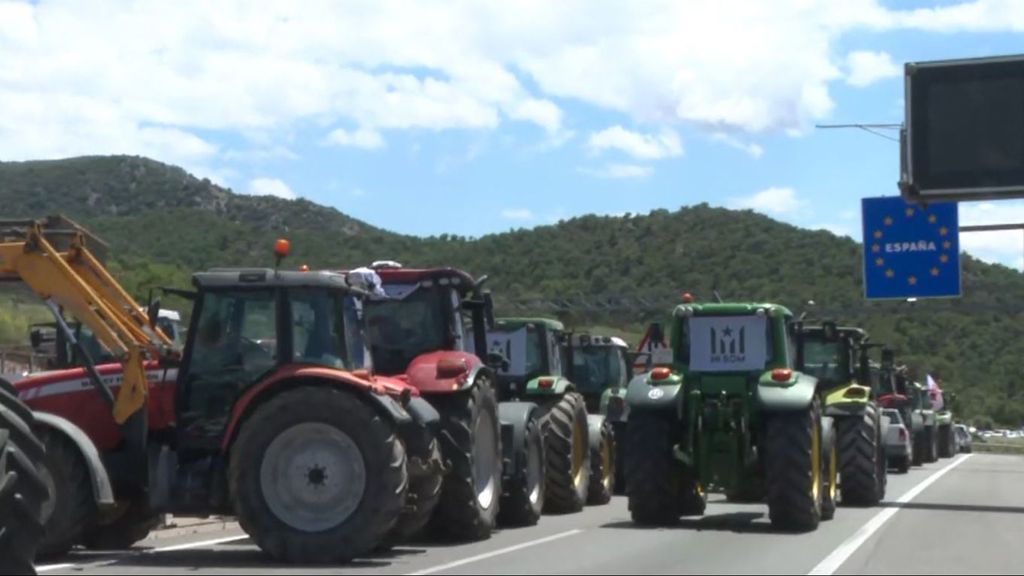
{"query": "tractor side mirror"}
(888, 357)
(36, 338)
(829, 331)
(497, 361)
(153, 312)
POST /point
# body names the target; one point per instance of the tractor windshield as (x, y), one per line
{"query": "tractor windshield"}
(321, 333)
(408, 325)
(595, 368)
(825, 360)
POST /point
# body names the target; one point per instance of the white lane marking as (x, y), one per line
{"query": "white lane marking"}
(51, 567)
(841, 554)
(499, 552)
(201, 544)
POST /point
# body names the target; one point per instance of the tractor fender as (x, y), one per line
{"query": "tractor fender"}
(838, 404)
(828, 429)
(643, 396)
(422, 373)
(595, 422)
(102, 489)
(796, 394)
(929, 418)
(373, 389)
(559, 386)
(944, 419)
(514, 417)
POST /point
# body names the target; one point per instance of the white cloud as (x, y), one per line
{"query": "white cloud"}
(270, 187)
(754, 150)
(68, 86)
(619, 171)
(517, 214)
(866, 68)
(642, 146)
(774, 200)
(364, 138)
(1002, 247)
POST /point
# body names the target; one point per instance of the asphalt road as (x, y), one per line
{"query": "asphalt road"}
(960, 516)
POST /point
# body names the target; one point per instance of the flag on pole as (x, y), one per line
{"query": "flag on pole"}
(935, 393)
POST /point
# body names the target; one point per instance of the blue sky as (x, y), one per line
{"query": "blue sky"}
(468, 118)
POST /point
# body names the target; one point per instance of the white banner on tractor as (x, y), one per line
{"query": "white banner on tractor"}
(728, 343)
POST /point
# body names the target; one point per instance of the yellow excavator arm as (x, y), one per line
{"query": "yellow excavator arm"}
(75, 280)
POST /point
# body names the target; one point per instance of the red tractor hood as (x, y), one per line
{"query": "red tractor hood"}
(441, 371)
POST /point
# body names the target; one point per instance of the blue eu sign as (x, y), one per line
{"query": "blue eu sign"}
(910, 251)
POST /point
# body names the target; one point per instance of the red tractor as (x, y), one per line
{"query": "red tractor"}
(268, 413)
(424, 326)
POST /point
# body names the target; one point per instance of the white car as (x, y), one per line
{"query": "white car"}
(899, 450)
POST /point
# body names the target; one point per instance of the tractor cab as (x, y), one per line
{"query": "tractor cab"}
(536, 354)
(600, 368)
(417, 312)
(831, 353)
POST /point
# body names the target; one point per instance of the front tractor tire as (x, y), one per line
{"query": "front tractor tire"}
(317, 475)
(567, 455)
(657, 486)
(426, 476)
(72, 513)
(862, 462)
(471, 445)
(23, 491)
(523, 503)
(794, 470)
(602, 467)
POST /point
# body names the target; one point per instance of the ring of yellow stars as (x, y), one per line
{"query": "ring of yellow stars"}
(876, 248)
(935, 271)
(879, 261)
(910, 212)
(947, 245)
(889, 273)
(912, 280)
(878, 233)
(932, 219)
(944, 258)
(943, 231)
(888, 221)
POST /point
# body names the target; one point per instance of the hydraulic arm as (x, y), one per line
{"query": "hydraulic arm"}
(73, 279)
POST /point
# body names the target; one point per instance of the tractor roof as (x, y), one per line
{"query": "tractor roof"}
(731, 309)
(515, 323)
(858, 333)
(583, 339)
(268, 277)
(410, 275)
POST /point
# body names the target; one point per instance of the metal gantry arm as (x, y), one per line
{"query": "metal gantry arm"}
(77, 282)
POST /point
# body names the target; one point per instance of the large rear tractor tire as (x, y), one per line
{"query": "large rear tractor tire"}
(619, 434)
(657, 486)
(425, 480)
(567, 455)
(471, 444)
(793, 468)
(862, 462)
(23, 491)
(947, 447)
(602, 467)
(72, 513)
(524, 501)
(917, 449)
(352, 482)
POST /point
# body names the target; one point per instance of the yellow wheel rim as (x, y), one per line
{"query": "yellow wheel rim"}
(815, 461)
(606, 464)
(833, 458)
(579, 452)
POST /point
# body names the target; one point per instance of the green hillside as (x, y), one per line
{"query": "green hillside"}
(162, 223)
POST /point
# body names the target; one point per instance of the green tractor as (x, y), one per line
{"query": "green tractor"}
(837, 357)
(601, 372)
(949, 446)
(926, 449)
(733, 411)
(536, 369)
